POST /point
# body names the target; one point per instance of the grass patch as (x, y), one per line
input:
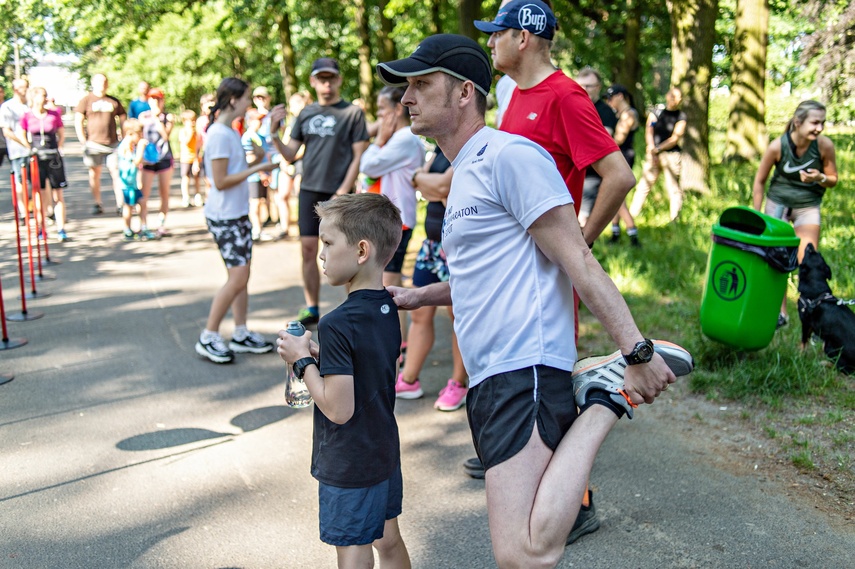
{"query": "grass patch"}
(791, 395)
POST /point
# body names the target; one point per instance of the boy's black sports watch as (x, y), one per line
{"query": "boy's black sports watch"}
(641, 354)
(301, 365)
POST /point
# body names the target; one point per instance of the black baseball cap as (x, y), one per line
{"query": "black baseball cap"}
(325, 65)
(530, 15)
(616, 90)
(458, 56)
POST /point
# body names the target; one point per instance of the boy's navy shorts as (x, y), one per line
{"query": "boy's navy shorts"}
(356, 516)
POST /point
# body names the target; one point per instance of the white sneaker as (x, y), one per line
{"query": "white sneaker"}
(606, 373)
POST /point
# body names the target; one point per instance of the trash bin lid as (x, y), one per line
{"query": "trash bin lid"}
(746, 225)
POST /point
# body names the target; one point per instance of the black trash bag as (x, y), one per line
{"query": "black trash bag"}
(782, 259)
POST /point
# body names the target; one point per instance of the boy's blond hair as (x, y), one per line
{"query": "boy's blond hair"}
(365, 216)
(188, 115)
(132, 125)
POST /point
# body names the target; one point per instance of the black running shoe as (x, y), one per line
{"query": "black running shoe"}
(306, 317)
(97, 210)
(254, 343)
(215, 350)
(474, 467)
(586, 522)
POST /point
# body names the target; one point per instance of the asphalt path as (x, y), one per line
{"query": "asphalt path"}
(120, 447)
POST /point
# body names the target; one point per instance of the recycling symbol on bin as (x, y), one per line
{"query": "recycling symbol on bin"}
(728, 280)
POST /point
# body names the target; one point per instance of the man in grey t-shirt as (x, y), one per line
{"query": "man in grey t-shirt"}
(334, 134)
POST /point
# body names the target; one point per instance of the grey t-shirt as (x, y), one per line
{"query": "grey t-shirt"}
(328, 133)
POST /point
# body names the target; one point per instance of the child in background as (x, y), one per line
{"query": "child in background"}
(130, 157)
(356, 455)
(189, 157)
(259, 181)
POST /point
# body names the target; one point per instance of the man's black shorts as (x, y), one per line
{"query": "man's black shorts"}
(307, 220)
(504, 408)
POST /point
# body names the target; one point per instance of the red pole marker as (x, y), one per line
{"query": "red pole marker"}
(33, 292)
(7, 343)
(23, 315)
(38, 215)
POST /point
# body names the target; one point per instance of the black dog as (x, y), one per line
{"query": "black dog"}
(823, 314)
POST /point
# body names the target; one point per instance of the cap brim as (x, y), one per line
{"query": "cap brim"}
(395, 73)
(332, 70)
(488, 27)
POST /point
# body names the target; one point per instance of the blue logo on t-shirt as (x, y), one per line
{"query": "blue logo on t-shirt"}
(481, 152)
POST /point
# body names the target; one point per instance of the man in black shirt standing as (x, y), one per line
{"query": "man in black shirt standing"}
(334, 134)
(663, 133)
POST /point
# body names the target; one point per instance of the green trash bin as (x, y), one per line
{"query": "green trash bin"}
(751, 255)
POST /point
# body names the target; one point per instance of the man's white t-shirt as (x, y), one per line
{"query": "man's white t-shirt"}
(513, 307)
(396, 162)
(233, 203)
(11, 113)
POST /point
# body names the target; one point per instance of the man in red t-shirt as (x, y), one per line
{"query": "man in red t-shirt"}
(552, 110)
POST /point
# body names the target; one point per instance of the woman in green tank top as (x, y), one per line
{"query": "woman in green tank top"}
(804, 168)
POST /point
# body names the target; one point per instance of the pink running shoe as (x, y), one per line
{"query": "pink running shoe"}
(451, 397)
(404, 390)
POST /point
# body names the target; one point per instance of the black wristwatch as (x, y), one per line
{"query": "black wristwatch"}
(301, 365)
(640, 354)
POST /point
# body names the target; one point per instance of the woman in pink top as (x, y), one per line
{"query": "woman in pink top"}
(46, 135)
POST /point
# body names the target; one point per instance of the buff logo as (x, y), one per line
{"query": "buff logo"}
(532, 17)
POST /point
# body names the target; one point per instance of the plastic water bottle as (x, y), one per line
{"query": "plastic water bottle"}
(297, 394)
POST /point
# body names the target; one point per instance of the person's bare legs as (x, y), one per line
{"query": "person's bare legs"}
(164, 177)
(458, 371)
(420, 340)
(95, 183)
(355, 557)
(147, 183)
(533, 498)
(113, 167)
(233, 294)
(59, 209)
(391, 547)
(311, 273)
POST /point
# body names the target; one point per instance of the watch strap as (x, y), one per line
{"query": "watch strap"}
(300, 366)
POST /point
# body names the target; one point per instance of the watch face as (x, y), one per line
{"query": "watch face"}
(645, 352)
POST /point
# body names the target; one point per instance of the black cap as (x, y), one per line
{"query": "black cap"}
(617, 90)
(530, 15)
(325, 65)
(458, 56)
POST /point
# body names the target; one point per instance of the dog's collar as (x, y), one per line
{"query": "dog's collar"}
(807, 305)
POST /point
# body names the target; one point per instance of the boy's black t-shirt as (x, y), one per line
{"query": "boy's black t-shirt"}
(362, 338)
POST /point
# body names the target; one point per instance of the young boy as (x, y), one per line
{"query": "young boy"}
(130, 157)
(188, 140)
(356, 451)
(258, 182)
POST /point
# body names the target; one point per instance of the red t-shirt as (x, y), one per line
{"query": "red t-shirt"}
(558, 115)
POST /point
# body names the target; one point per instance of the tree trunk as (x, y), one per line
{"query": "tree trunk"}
(467, 12)
(384, 35)
(692, 39)
(288, 65)
(628, 73)
(436, 15)
(746, 128)
(366, 72)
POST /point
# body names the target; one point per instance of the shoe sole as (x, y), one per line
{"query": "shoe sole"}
(241, 349)
(477, 474)
(439, 407)
(200, 349)
(410, 394)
